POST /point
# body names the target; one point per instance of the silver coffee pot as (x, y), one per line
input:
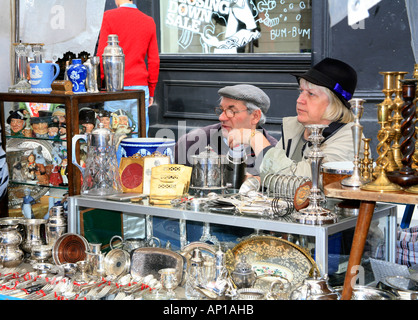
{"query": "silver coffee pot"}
(113, 64)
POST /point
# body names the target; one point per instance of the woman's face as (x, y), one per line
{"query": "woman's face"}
(311, 105)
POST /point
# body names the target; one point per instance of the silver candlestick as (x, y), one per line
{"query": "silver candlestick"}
(356, 180)
(314, 213)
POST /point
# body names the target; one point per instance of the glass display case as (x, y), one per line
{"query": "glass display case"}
(53, 152)
(323, 235)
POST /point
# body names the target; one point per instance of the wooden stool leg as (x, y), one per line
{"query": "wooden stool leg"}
(360, 234)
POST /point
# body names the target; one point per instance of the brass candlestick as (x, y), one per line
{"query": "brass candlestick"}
(406, 176)
(382, 183)
(415, 156)
(388, 90)
(367, 162)
(356, 180)
(397, 118)
(314, 214)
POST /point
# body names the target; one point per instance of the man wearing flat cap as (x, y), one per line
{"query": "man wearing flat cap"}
(325, 92)
(241, 106)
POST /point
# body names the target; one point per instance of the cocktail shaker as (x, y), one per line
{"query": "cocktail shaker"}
(113, 64)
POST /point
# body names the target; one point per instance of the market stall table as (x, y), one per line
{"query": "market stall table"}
(368, 201)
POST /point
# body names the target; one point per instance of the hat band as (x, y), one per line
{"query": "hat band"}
(339, 89)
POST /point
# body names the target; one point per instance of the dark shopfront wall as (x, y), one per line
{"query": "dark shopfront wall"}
(188, 84)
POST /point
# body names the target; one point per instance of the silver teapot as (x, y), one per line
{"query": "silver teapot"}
(315, 288)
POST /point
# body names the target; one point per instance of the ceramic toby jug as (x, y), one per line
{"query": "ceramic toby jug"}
(101, 175)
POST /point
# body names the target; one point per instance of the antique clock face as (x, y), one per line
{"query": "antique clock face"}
(132, 176)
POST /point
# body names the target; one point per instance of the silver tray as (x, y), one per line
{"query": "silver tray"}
(145, 261)
(369, 293)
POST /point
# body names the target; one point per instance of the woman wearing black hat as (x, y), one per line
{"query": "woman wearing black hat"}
(325, 91)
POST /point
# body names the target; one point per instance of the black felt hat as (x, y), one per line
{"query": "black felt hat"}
(87, 116)
(335, 75)
(15, 115)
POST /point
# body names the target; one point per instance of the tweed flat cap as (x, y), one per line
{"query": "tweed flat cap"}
(248, 93)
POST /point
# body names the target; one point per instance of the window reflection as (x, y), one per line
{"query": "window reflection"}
(235, 26)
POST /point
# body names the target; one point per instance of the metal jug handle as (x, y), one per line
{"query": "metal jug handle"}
(118, 139)
(114, 238)
(74, 144)
(152, 239)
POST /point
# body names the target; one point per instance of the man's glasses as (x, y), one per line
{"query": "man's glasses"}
(228, 112)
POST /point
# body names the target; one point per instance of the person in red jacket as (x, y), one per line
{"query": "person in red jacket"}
(137, 36)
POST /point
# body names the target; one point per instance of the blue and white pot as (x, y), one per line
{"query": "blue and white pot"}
(77, 73)
(147, 146)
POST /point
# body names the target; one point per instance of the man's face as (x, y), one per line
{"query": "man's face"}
(241, 119)
(40, 128)
(105, 121)
(311, 105)
(52, 131)
(17, 124)
(123, 120)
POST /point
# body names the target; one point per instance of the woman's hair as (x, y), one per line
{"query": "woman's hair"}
(336, 110)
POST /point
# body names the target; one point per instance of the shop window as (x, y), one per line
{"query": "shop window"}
(235, 26)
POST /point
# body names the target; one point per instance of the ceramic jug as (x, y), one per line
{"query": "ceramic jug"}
(101, 175)
(42, 75)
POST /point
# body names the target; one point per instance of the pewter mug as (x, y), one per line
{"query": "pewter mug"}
(168, 279)
(92, 65)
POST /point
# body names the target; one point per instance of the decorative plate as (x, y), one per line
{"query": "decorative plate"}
(16, 193)
(275, 256)
(71, 248)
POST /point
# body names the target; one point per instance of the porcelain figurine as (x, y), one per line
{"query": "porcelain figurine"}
(27, 203)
